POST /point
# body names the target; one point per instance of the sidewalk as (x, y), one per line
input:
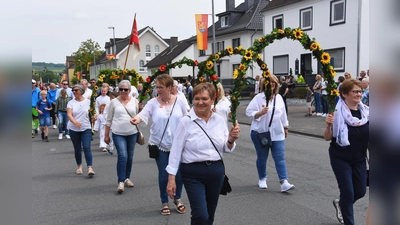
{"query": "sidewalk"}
(298, 123)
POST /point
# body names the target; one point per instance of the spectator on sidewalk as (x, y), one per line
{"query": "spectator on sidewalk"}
(308, 100)
(257, 85)
(317, 95)
(324, 95)
(283, 91)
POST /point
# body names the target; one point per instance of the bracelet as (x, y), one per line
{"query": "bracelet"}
(231, 142)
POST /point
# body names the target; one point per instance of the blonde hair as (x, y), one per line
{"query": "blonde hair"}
(43, 92)
(318, 77)
(220, 90)
(273, 79)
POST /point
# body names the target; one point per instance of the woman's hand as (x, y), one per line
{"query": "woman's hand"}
(135, 120)
(77, 124)
(107, 139)
(171, 186)
(264, 110)
(234, 133)
(329, 119)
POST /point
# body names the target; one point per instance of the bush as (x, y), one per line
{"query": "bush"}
(297, 92)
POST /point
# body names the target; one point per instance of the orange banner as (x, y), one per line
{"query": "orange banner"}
(202, 31)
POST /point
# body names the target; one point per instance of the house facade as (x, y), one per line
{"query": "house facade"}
(341, 27)
(237, 26)
(151, 44)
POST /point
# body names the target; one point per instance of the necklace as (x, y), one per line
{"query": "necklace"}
(166, 102)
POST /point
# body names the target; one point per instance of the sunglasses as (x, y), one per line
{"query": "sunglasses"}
(124, 89)
(65, 84)
(75, 90)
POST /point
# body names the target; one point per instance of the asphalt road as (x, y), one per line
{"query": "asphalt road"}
(61, 197)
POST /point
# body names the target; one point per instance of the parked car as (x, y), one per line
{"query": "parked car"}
(251, 83)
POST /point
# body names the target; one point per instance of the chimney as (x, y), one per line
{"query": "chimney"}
(174, 42)
(230, 5)
(248, 4)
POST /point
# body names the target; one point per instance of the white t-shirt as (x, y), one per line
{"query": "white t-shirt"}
(180, 87)
(223, 108)
(323, 87)
(88, 93)
(159, 115)
(80, 112)
(101, 100)
(134, 92)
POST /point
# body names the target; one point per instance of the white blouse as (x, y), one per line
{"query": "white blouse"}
(118, 119)
(159, 115)
(261, 124)
(223, 108)
(191, 144)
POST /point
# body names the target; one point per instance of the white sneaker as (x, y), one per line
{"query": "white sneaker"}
(323, 115)
(338, 211)
(128, 183)
(314, 113)
(54, 126)
(67, 136)
(120, 187)
(285, 186)
(319, 114)
(60, 136)
(262, 183)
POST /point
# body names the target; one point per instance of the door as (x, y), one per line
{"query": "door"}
(305, 64)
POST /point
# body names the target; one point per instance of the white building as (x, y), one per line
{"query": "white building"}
(341, 27)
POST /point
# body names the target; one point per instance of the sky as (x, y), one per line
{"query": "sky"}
(59, 27)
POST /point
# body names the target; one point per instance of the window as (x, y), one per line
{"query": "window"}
(156, 50)
(281, 65)
(235, 42)
(337, 58)
(338, 12)
(306, 18)
(141, 66)
(148, 51)
(277, 22)
(202, 52)
(220, 46)
(224, 21)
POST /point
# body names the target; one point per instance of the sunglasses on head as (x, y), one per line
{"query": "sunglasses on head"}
(124, 89)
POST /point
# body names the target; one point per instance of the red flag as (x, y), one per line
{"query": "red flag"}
(134, 39)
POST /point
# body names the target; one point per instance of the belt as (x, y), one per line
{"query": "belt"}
(208, 162)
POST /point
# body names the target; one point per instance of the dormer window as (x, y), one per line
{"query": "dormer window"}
(224, 21)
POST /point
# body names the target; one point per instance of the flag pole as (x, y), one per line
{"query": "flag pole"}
(126, 58)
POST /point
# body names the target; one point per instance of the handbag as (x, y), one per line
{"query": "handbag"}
(226, 187)
(154, 149)
(265, 137)
(140, 139)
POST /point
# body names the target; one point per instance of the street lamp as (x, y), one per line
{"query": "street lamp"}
(114, 46)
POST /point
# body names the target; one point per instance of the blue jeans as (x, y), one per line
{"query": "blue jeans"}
(81, 140)
(62, 122)
(317, 99)
(44, 121)
(162, 162)
(324, 103)
(278, 154)
(125, 146)
(351, 178)
(203, 184)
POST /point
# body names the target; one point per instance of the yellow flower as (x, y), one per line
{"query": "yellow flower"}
(235, 74)
(125, 71)
(333, 73)
(239, 48)
(335, 92)
(230, 50)
(201, 79)
(233, 98)
(137, 76)
(248, 54)
(263, 66)
(325, 58)
(288, 32)
(113, 73)
(242, 67)
(297, 33)
(266, 74)
(96, 87)
(101, 80)
(281, 31)
(210, 65)
(314, 46)
(260, 39)
(266, 82)
(216, 56)
(102, 76)
(259, 56)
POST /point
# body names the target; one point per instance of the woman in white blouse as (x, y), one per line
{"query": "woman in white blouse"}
(165, 110)
(261, 115)
(124, 135)
(223, 106)
(200, 163)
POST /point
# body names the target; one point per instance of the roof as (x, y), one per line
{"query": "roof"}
(169, 54)
(278, 3)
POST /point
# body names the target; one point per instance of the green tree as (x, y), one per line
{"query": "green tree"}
(88, 51)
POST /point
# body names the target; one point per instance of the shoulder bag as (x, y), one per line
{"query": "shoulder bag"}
(154, 149)
(140, 139)
(265, 137)
(226, 187)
